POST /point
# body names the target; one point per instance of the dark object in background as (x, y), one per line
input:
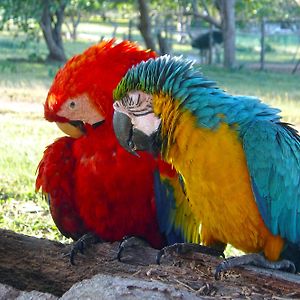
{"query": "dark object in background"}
(202, 41)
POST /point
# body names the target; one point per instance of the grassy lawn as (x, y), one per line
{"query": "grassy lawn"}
(25, 134)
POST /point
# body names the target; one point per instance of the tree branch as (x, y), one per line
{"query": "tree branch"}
(29, 263)
(204, 16)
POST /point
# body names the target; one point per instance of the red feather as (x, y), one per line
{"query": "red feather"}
(56, 166)
(95, 185)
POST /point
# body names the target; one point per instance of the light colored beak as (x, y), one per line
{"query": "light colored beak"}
(69, 129)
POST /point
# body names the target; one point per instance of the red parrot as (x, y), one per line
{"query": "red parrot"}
(93, 184)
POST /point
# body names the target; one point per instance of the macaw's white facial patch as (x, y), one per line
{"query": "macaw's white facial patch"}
(148, 123)
(138, 107)
(80, 109)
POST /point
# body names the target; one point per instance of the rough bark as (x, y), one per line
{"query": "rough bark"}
(29, 263)
(145, 25)
(228, 28)
(51, 25)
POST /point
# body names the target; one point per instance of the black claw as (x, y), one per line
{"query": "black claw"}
(122, 247)
(224, 265)
(256, 260)
(159, 255)
(81, 244)
(72, 257)
(127, 242)
(76, 247)
(119, 254)
(292, 268)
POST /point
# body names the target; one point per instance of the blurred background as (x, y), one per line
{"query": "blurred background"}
(247, 46)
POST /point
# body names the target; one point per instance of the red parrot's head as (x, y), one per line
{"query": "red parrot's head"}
(81, 92)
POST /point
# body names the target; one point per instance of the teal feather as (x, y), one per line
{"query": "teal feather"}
(273, 157)
(272, 148)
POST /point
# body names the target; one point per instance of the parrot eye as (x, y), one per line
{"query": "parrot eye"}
(72, 104)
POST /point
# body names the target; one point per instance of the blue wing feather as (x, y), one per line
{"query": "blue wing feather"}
(165, 206)
(273, 157)
(175, 219)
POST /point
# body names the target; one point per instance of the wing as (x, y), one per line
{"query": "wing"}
(273, 157)
(55, 179)
(175, 218)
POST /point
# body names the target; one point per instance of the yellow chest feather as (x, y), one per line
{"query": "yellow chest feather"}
(218, 185)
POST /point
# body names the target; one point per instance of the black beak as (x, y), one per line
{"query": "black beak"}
(79, 125)
(123, 130)
(133, 139)
(96, 125)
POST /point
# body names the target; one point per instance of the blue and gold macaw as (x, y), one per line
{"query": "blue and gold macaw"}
(239, 163)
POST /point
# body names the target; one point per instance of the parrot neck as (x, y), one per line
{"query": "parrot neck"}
(168, 111)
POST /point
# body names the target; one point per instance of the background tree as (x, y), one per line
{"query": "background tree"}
(154, 24)
(76, 9)
(73, 15)
(51, 20)
(145, 24)
(227, 9)
(48, 14)
(266, 11)
(219, 14)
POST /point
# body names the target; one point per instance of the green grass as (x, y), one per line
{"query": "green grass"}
(24, 81)
(24, 136)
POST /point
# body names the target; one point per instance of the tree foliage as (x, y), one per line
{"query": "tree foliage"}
(49, 14)
(74, 12)
(157, 20)
(273, 10)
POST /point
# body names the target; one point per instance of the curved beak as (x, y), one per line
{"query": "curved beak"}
(74, 129)
(123, 130)
(133, 139)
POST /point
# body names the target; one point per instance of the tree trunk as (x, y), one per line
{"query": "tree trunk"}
(163, 44)
(228, 28)
(145, 25)
(52, 31)
(29, 263)
(210, 45)
(262, 44)
(75, 20)
(296, 67)
(130, 27)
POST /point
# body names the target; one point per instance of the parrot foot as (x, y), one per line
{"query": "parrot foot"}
(128, 242)
(255, 259)
(82, 244)
(183, 248)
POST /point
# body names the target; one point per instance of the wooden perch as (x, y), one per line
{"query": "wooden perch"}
(29, 263)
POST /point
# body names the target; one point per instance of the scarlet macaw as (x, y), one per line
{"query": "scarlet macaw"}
(239, 163)
(93, 184)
